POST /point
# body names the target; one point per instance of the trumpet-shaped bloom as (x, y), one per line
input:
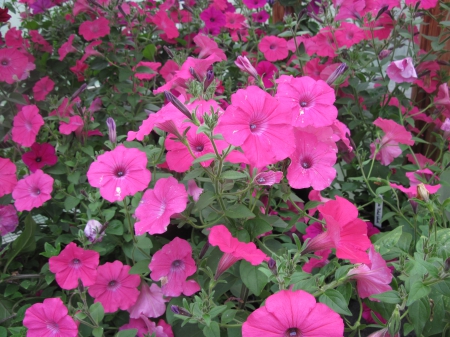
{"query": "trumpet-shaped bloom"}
(8, 179)
(261, 126)
(8, 219)
(164, 23)
(402, 71)
(172, 265)
(26, 125)
(42, 88)
(14, 65)
(159, 204)
(32, 191)
(92, 30)
(114, 287)
(373, 279)
(150, 303)
(39, 156)
(74, 263)
(67, 48)
(293, 314)
(49, 318)
(119, 173)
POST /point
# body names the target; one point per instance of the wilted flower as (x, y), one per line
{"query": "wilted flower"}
(402, 71)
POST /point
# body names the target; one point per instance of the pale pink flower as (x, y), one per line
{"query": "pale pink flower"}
(26, 125)
(193, 190)
(233, 249)
(167, 198)
(32, 191)
(268, 178)
(293, 313)
(42, 88)
(172, 265)
(114, 287)
(119, 173)
(311, 101)
(260, 125)
(150, 303)
(74, 263)
(411, 191)
(8, 179)
(402, 71)
(374, 278)
(208, 47)
(49, 318)
(8, 219)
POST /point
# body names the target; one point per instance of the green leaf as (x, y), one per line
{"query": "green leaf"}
(335, 301)
(3, 332)
(253, 279)
(140, 267)
(419, 313)
(390, 296)
(149, 52)
(71, 202)
(25, 243)
(417, 291)
(257, 226)
(213, 330)
(228, 316)
(127, 333)
(443, 287)
(217, 310)
(203, 158)
(233, 175)
(97, 312)
(115, 227)
(382, 189)
(239, 211)
(206, 199)
(50, 250)
(125, 74)
(385, 242)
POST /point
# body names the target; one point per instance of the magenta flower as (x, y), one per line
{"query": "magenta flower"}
(8, 219)
(114, 287)
(39, 156)
(172, 265)
(26, 125)
(267, 71)
(164, 23)
(394, 134)
(119, 173)
(158, 205)
(233, 249)
(291, 314)
(254, 4)
(14, 65)
(32, 191)
(146, 327)
(411, 191)
(8, 179)
(74, 263)
(274, 48)
(268, 178)
(243, 63)
(49, 318)
(67, 48)
(374, 279)
(92, 30)
(42, 88)
(402, 71)
(146, 70)
(261, 126)
(311, 163)
(311, 101)
(208, 47)
(260, 17)
(150, 303)
(214, 19)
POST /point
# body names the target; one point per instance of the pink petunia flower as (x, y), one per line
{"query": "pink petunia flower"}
(146, 327)
(90, 51)
(42, 88)
(172, 265)
(13, 38)
(39, 42)
(402, 71)
(74, 263)
(208, 47)
(310, 101)
(193, 190)
(311, 163)
(114, 287)
(49, 318)
(254, 4)
(8, 219)
(293, 313)
(8, 179)
(164, 23)
(274, 48)
(167, 198)
(261, 126)
(234, 20)
(374, 279)
(261, 16)
(424, 4)
(39, 156)
(233, 249)
(345, 232)
(26, 125)
(150, 303)
(349, 34)
(119, 173)
(267, 71)
(268, 178)
(67, 48)
(146, 70)
(96, 29)
(32, 191)
(14, 65)
(394, 134)
(214, 20)
(411, 191)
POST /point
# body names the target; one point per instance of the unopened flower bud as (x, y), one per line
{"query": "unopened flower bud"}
(271, 2)
(413, 205)
(122, 11)
(209, 78)
(272, 264)
(422, 193)
(447, 264)
(180, 311)
(384, 53)
(394, 322)
(79, 91)
(194, 74)
(94, 3)
(177, 103)
(244, 64)
(204, 248)
(381, 11)
(169, 127)
(80, 286)
(111, 130)
(168, 51)
(336, 73)
(94, 231)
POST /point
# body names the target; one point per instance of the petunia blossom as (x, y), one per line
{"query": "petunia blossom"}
(8, 219)
(92, 30)
(32, 191)
(293, 313)
(158, 205)
(119, 173)
(233, 249)
(74, 263)
(14, 65)
(39, 156)
(268, 178)
(42, 88)
(402, 71)
(214, 20)
(115, 288)
(172, 265)
(150, 302)
(274, 48)
(67, 48)
(146, 327)
(26, 125)
(193, 190)
(49, 318)
(165, 24)
(8, 179)
(146, 70)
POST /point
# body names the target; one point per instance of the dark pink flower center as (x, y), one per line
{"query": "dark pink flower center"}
(272, 46)
(120, 172)
(35, 191)
(199, 148)
(306, 162)
(292, 332)
(212, 19)
(113, 285)
(303, 104)
(38, 159)
(4, 62)
(53, 327)
(76, 263)
(177, 265)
